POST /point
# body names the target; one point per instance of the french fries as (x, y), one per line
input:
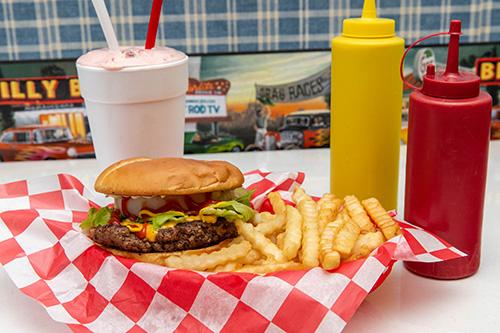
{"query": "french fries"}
(381, 218)
(230, 266)
(310, 233)
(299, 194)
(278, 204)
(365, 244)
(280, 240)
(268, 268)
(210, 260)
(345, 239)
(327, 233)
(277, 223)
(328, 208)
(293, 233)
(330, 258)
(259, 241)
(251, 257)
(263, 217)
(358, 214)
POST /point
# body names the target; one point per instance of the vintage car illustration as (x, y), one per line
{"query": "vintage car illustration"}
(305, 129)
(42, 142)
(200, 142)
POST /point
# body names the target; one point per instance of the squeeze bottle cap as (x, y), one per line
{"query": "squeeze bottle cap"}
(369, 25)
(451, 82)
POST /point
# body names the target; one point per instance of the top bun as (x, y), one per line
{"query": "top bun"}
(167, 176)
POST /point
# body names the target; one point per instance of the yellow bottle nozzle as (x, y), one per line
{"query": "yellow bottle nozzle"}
(368, 25)
(369, 9)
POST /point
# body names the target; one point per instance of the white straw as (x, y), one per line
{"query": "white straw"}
(106, 25)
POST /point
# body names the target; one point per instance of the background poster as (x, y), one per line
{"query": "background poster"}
(276, 100)
(237, 102)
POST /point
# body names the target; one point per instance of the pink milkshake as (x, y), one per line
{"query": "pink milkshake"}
(130, 57)
(135, 101)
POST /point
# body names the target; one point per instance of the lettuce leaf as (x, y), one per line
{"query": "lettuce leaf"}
(242, 195)
(230, 210)
(160, 219)
(96, 218)
(239, 194)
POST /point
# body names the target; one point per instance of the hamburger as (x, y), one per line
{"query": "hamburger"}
(168, 204)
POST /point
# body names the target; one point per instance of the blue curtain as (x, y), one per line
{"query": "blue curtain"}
(50, 29)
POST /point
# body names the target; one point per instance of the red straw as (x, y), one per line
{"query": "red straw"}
(154, 19)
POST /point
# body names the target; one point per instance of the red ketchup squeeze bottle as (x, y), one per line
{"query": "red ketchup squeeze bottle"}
(448, 139)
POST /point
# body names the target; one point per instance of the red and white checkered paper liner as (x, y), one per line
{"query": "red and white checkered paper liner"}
(89, 289)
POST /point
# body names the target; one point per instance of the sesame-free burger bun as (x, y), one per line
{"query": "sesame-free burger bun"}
(167, 176)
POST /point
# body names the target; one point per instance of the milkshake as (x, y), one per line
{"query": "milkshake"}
(130, 57)
(135, 101)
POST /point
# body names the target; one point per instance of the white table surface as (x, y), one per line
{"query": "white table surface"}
(404, 303)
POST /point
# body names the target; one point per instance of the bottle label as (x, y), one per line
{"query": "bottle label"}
(423, 58)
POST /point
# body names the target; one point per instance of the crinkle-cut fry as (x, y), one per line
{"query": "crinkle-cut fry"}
(269, 268)
(278, 222)
(329, 258)
(229, 267)
(381, 218)
(328, 208)
(343, 213)
(310, 233)
(263, 217)
(252, 256)
(261, 261)
(299, 194)
(277, 202)
(358, 214)
(300, 255)
(280, 240)
(327, 197)
(259, 241)
(205, 261)
(273, 238)
(346, 238)
(266, 262)
(365, 244)
(293, 233)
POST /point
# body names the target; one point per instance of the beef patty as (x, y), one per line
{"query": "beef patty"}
(184, 236)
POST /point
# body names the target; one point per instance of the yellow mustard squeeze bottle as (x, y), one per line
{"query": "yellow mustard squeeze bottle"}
(366, 108)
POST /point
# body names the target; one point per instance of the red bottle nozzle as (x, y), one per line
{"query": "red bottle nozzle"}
(453, 47)
(401, 64)
(430, 70)
(450, 83)
(455, 27)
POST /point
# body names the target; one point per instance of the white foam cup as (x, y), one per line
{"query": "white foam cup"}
(135, 111)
